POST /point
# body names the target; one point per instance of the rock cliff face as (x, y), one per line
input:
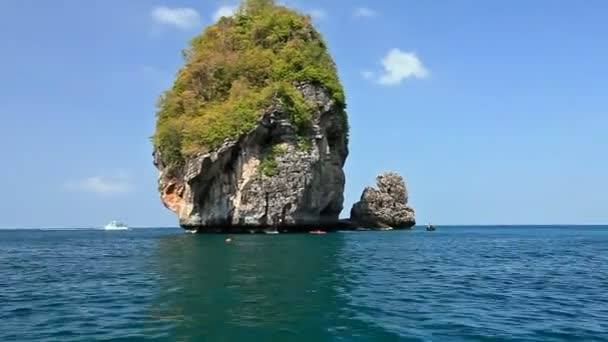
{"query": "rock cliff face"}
(386, 206)
(269, 177)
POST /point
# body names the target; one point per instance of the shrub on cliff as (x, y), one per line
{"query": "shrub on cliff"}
(234, 70)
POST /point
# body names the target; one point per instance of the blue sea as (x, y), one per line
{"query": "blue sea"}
(520, 283)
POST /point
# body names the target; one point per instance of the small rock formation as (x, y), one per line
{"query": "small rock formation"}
(233, 188)
(385, 206)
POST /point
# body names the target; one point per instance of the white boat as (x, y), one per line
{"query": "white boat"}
(271, 232)
(115, 225)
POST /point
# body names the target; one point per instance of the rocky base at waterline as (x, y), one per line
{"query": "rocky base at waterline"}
(379, 208)
(333, 226)
(328, 226)
(385, 206)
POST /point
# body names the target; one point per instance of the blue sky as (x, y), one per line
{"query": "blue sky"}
(494, 111)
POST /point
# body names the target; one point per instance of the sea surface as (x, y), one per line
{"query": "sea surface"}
(454, 284)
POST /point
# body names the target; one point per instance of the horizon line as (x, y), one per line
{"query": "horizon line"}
(417, 225)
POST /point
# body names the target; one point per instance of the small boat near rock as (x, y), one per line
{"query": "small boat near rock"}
(430, 227)
(318, 232)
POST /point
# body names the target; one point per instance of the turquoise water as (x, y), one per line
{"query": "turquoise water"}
(455, 284)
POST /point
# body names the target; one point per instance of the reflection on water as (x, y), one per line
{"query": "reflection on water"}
(449, 285)
(257, 287)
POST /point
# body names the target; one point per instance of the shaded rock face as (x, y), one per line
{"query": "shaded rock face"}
(228, 189)
(386, 206)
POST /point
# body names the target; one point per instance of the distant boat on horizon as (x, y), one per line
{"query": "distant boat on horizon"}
(115, 225)
(430, 227)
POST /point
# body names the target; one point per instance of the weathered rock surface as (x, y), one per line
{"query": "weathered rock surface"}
(232, 188)
(386, 206)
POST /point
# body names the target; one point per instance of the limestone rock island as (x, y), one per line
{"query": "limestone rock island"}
(386, 206)
(254, 133)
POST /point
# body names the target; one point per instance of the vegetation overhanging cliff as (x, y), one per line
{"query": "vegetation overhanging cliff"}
(234, 70)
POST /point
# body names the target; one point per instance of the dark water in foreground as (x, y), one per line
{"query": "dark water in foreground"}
(465, 283)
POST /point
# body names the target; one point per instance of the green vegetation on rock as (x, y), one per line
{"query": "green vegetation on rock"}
(234, 70)
(269, 165)
(304, 143)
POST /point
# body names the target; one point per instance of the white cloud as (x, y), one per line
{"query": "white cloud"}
(102, 185)
(318, 14)
(182, 18)
(224, 11)
(364, 12)
(399, 65)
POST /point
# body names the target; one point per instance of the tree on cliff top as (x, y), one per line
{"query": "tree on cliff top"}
(233, 71)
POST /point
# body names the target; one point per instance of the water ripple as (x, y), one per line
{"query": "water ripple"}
(456, 284)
